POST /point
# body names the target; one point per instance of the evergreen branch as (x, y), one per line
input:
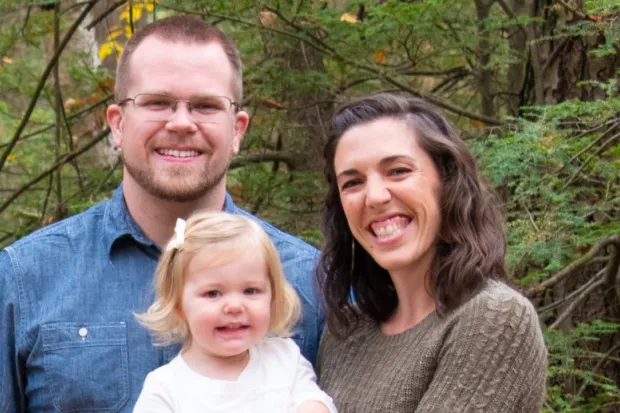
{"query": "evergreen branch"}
(569, 297)
(59, 164)
(601, 149)
(582, 296)
(572, 267)
(581, 152)
(42, 80)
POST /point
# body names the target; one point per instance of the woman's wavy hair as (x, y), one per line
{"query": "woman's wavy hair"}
(471, 242)
(222, 237)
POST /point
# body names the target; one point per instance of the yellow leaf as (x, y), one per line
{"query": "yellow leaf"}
(477, 124)
(7, 60)
(115, 31)
(107, 48)
(272, 103)
(379, 56)
(349, 18)
(136, 10)
(267, 18)
(10, 158)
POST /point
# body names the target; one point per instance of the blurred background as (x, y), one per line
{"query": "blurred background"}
(532, 85)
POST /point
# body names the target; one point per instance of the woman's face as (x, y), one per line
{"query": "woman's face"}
(389, 189)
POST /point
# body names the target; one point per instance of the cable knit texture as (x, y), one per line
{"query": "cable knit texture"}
(488, 355)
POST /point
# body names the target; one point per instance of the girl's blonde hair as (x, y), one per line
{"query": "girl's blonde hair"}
(235, 234)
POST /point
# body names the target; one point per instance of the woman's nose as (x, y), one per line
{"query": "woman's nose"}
(377, 192)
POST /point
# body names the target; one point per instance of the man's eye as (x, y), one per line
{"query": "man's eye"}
(212, 294)
(206, 106)
(157, 104)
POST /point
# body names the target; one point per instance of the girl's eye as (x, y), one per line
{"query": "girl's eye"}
(212, 294)
(251, 291)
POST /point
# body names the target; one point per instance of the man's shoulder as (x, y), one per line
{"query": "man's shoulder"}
(283, 240)
(65, 230)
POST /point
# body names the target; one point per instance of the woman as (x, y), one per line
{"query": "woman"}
(412, 231)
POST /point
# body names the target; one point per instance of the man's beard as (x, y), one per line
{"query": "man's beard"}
(177, 190)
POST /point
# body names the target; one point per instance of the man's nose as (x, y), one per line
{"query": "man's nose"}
(377, 192)
(181, 120)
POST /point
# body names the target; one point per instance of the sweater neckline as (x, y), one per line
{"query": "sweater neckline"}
(406, 336)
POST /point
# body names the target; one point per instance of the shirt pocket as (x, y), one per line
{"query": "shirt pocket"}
(86, 366)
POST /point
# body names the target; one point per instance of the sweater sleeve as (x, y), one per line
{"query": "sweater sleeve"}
(493, 359)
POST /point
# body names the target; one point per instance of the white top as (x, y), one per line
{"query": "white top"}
(277, 379)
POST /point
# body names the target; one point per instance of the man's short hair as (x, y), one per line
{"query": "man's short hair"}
(180, 28)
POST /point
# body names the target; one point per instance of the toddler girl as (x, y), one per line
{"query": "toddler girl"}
(220, 291)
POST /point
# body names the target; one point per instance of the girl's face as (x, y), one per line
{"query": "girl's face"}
(389, 189)
(226, 306)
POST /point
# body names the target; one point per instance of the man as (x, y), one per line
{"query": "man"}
(69, 340)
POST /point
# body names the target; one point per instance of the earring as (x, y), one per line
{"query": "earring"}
(352, 254)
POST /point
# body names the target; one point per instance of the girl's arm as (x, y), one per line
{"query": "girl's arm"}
(306, 394)
(493, 360)
(312, 407)
(154, 398)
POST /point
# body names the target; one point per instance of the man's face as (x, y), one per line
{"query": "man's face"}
(178, 158)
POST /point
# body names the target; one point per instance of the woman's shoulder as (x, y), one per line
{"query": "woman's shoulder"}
(497, 310)
(497, 298)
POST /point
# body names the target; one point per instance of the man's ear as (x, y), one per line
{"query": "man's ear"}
(242, 120)
(114, 116)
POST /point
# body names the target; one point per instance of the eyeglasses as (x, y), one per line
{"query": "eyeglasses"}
(160, 107)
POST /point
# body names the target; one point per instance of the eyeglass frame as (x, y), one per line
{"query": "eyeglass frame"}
(234, 104)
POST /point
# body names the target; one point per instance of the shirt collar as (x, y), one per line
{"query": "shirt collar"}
(118, 222)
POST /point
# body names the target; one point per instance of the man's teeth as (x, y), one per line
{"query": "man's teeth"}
(178, 154)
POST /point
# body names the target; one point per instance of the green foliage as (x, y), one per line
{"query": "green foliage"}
(567, 353)
(556, 166)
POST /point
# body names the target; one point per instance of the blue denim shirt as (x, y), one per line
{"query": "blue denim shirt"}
(69, 341)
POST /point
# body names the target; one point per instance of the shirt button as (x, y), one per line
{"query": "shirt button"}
(83, 332)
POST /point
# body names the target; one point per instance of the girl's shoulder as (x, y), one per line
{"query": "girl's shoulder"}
(280, 348)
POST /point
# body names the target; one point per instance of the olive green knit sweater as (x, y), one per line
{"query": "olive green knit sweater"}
(488, 355)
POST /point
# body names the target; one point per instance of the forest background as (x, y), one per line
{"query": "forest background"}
(532, 85)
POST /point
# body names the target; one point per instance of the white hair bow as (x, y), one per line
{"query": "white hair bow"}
(179, 235)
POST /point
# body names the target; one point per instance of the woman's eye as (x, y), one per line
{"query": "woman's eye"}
(350, 184)
(212, 294)
(399, 171)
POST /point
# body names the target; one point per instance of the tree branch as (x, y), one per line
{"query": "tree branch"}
(328, 50)
(264, 156)
(42, 80)
(65, 159)
(584, 294)
(572, 267)
(105, 14)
